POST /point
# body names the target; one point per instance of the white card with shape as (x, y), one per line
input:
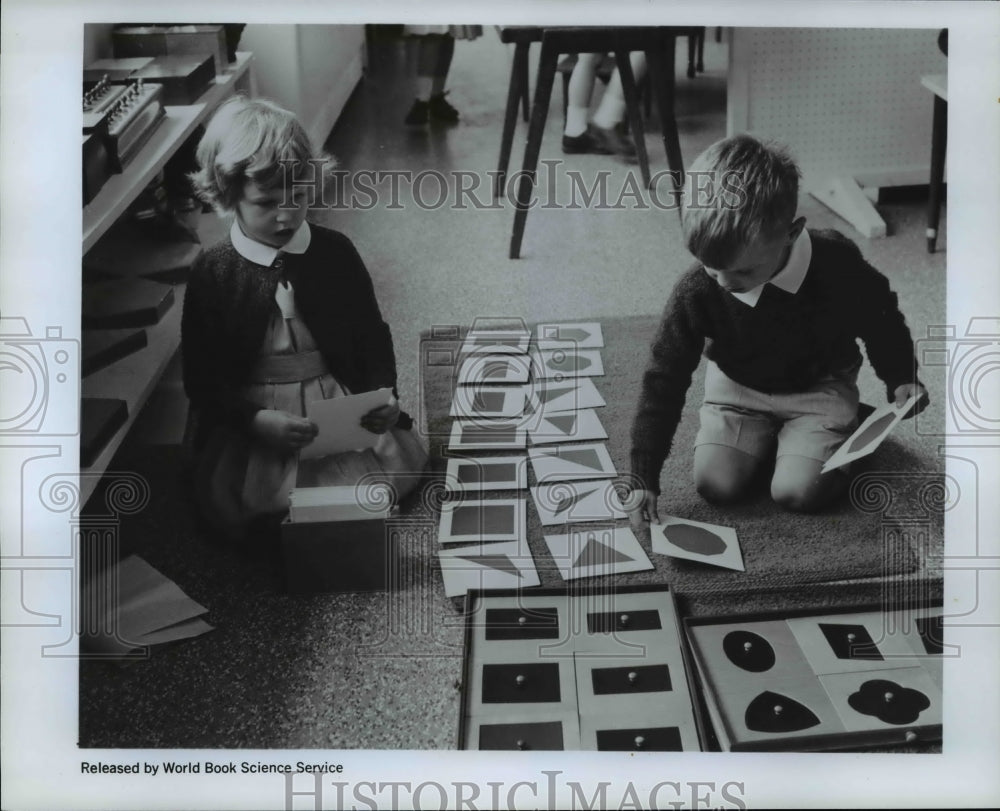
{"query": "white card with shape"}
(579, 335)
(486, 566)
(339, 421)
(562, 463)
(480, 521)
(694, 540)
(568, 502)
(485, 368)
(593, 552)
(568, 426)
(477, 402)
(482, 435)
(488, 473)
(564, 364)
(550, 396)
(869, 434)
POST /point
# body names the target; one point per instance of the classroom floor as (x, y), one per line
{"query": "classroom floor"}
(440, 267)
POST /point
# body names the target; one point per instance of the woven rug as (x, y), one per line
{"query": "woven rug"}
(892, 519)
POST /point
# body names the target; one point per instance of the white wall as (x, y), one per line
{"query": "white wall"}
(310, 69)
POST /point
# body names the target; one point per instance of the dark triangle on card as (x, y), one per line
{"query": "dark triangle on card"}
(563, 422)
(695, 539)
(595, 553)
(584, 457)
(773, 712)
(501, 563)
(870, 433)
(495, 368)
(569, 501)
(548, 395)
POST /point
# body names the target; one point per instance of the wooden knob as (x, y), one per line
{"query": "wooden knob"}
(522, 620)
(633, 677)
(520, 680)
(639, 741)
(888, 698)
(521, 744)
(623, 620)
(910, 736)
(778, 709)
(747, 647)
(851, 637)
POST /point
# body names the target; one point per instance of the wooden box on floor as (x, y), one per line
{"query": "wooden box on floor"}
(332, 541)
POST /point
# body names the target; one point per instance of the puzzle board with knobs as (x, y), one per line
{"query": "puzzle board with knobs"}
(557, 669)
(821, 681)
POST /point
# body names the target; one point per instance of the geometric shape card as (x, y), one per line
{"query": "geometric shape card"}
(568, 426)
(562, 336)
(590, 552)
(486, 566)
(694, 540)
(485, 402)
(549, 396)
(869, 434)
(480, 521)
(565, 364)
(499, 341)
(571, 463)
(486, 435)
(849, 643)
(569, 502)
(486, 367)
(886, 699)
(487, 473)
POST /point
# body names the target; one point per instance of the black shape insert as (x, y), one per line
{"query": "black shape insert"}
(518, 623)
(646, 739)
(521, 683)
(931, 630)
(636, 679)
(773, 712)
(541, 736)
(749, 651)
(613, 621)
(486, 473)
(850, 641)
(889, 702)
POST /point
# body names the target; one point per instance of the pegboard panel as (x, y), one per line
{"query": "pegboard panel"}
(845, 101)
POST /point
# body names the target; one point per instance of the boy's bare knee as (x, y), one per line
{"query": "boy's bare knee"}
(794, 498)
(719, 487)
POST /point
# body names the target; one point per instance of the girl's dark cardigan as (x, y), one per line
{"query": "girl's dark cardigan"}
(230, 300)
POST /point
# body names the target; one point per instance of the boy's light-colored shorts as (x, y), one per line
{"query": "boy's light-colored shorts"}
(811, 423)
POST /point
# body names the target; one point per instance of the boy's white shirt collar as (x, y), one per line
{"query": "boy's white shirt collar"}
(790, 277)
(263, 254)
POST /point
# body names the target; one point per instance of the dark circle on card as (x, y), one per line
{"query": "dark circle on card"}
(695, 539)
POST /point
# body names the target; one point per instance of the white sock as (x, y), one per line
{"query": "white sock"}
(576, 120)
(423, 87)
(610, 111)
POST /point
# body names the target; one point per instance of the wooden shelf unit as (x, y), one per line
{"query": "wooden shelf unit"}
(134, 378)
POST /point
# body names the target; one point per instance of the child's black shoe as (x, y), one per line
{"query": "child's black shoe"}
(441, 110)
(418, 115)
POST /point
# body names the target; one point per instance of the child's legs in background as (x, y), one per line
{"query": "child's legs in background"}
(735, 442)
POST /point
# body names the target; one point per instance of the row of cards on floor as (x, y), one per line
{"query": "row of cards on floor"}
(501, 557)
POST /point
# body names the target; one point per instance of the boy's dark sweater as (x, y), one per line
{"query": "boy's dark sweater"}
(229, 303)
(787, 343)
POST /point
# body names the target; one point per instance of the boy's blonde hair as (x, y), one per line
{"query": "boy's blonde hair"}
(253, 140)
(738, 190)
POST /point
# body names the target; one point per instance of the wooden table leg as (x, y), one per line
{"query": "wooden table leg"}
(634, 114)
(661, 73)
(539, 112)
(939, 141)
(516, 93)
